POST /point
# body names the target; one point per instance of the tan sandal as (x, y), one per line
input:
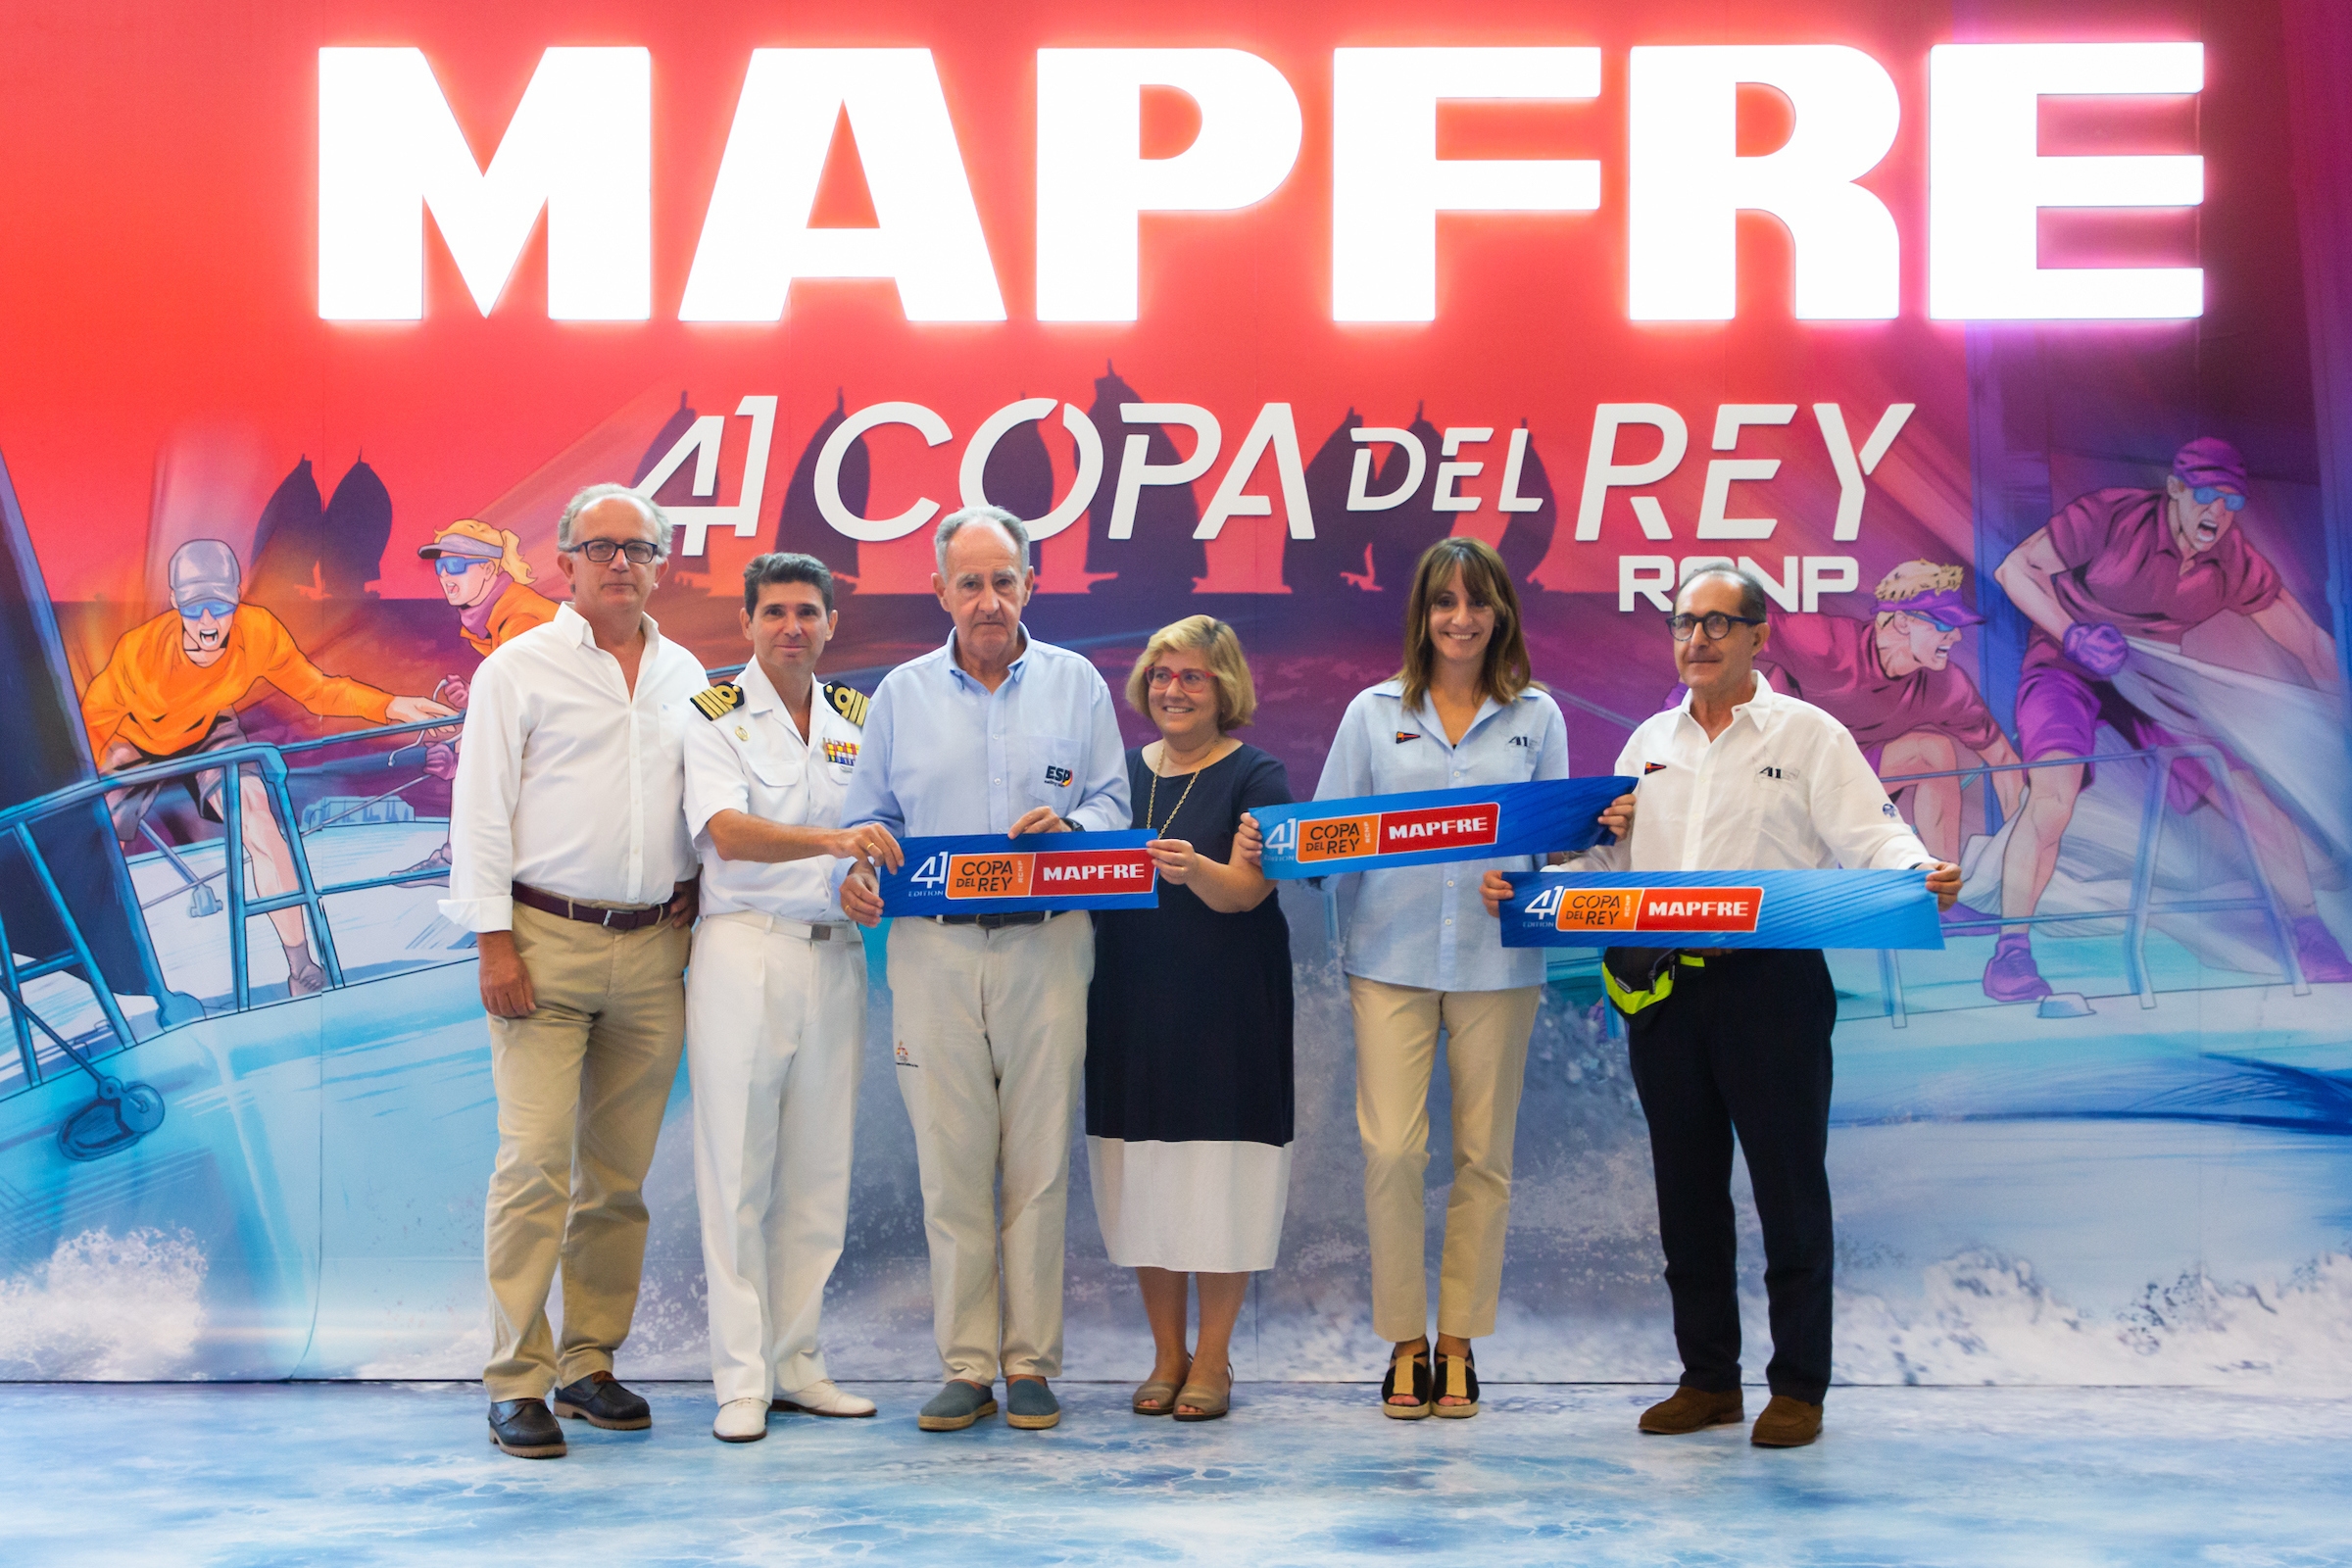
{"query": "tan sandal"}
(1458, 1378)
(1207, 1403)
(1408, 1374)
(1156, 1397)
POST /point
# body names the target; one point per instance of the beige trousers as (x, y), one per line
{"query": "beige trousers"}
(989, 1040)
(581, 1085)
(776, 1025)
(1486, 1057)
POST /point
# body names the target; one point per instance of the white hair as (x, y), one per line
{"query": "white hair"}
(955, 522)
(606, 492)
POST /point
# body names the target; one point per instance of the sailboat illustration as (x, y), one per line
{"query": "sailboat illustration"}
(160, 1078)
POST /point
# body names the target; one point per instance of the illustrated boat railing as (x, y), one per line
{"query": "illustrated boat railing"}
(2142, 905)
(267, 761)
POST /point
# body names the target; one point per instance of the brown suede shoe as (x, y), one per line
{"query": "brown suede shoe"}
(1692, 1410)
(1786, 1424)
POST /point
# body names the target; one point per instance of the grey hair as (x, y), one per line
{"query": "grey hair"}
(954, 523)
(1752, 600)
(606, 492)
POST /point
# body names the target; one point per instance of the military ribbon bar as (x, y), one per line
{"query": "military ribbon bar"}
(988, 873)
(1721, 909)
(1371, 833)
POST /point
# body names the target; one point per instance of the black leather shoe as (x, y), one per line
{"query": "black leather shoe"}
(524, 1429)
(600, 1400)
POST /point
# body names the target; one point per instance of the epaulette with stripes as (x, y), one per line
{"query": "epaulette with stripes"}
(719, 700)
(846, 701)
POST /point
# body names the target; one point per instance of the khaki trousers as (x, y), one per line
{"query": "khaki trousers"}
(776, 1025)
(990, 1046)
(581, 1085)
(1486, 1057)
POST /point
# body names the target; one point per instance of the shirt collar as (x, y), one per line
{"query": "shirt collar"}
(577, 630)
(1756, 708)
(1014, 671)
(758, 692)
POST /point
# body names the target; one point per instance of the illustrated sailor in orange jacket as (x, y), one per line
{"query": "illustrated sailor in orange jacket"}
(487, 582)
(169, 690)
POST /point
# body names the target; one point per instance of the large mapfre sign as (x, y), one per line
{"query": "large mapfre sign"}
(579, 149)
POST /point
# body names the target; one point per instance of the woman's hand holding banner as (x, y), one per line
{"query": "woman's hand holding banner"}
(1372, 833)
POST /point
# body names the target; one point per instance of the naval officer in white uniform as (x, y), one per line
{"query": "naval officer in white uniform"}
(775, 996)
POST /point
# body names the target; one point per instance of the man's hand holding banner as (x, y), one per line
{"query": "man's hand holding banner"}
(989, 874)
(1721, 909)
(1372, 833)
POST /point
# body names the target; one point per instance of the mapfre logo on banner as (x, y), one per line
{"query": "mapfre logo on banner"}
(1044, 875)
(1444, 828)
(1650, 909)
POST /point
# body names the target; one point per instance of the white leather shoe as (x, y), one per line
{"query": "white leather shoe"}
(821, 1398)
(740, 1421)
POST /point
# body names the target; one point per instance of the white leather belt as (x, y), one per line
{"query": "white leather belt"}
(776, 923)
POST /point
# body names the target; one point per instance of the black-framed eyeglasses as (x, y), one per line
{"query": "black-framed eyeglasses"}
(1717, 624)
(641, 552)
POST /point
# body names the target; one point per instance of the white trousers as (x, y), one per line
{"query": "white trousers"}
(990, 1046)
(775, 1026)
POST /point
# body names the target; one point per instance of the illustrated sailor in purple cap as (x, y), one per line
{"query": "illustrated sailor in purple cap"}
(2147, 563)
(1892, 681)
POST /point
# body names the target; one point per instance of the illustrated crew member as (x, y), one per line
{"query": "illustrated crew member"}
(2113, 565)
(1891, 682)
(1724, 1042)
(775, 996)
(994, 733)
(169, 690)
(573, 866)
(483, 575)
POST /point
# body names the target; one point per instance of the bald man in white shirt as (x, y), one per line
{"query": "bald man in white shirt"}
(570, 863)
(1737, 1042)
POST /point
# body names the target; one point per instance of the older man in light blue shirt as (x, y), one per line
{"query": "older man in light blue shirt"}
(994, 733)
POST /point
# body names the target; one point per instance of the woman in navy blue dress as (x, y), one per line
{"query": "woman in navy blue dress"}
(1188, 1058)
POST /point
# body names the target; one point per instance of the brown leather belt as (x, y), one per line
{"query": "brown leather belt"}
(595, 914)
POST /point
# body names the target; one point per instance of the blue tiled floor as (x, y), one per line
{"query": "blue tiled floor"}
(357, 1474)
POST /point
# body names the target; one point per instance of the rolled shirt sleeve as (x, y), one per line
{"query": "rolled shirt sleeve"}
(870, 797)
(1853, 816)
(482, 806)
(1106, 805)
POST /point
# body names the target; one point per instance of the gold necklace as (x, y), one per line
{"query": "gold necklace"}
(1151, 803)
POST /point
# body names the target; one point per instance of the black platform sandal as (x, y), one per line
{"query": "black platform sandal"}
(1457, 1377)
(1408, 1373)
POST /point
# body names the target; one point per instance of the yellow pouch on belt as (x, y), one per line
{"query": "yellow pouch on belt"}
(1636, 978)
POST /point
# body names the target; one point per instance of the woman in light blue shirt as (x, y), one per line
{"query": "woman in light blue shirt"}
(1422, 956)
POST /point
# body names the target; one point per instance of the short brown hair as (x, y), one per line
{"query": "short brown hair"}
(1508, 671)
(1220, 648)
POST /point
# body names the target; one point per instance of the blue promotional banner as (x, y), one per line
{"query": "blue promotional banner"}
(1721, 909)
(988, 873)
(1373, 832)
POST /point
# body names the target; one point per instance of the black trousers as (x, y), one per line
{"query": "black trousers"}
(1742, 1046)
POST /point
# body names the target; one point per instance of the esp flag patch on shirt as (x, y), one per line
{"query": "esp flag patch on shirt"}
(841, 754)
(719, 700)
(1059, 776)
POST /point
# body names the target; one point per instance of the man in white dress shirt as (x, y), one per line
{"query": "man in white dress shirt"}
(775, 998)
(572, 863)
(1737, 1042)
